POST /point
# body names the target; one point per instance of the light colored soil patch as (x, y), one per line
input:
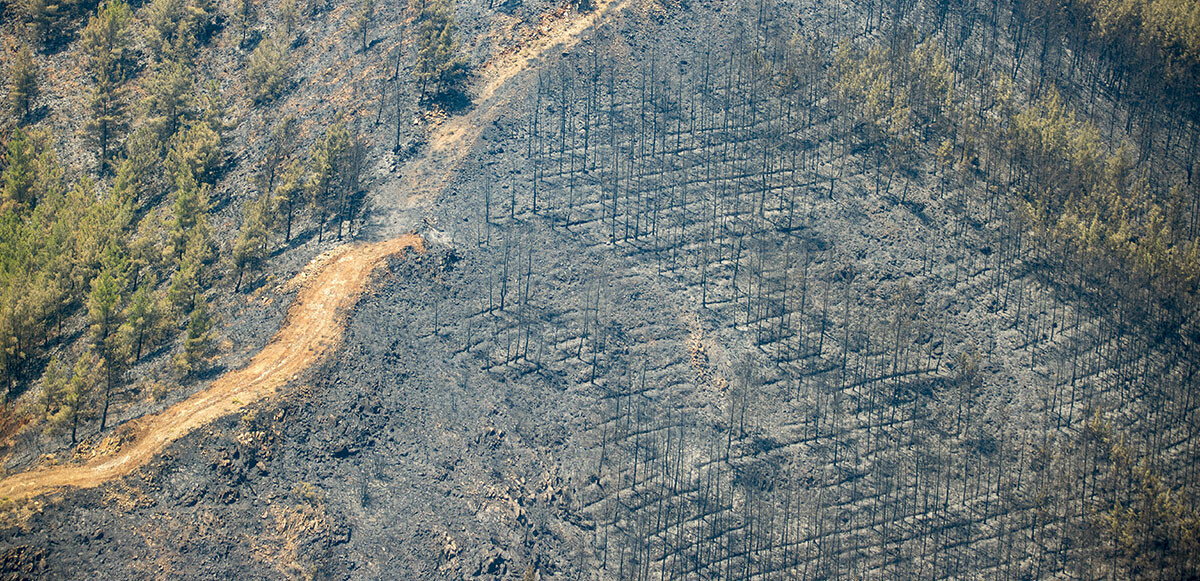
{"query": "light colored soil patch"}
(312, 329)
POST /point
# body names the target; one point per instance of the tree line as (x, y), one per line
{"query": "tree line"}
(127, 241)
(1073, 186)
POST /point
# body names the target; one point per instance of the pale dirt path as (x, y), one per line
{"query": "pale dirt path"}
(424, 178)
(313, 328)
(316, 319)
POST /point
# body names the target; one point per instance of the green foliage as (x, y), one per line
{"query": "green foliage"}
(17, 187)
(439, 70)
(185, 285)
(244, 16)
(198, 344)
(189, 212)
(806, 62)
(250, 248)
(196, 152)
(68, 247)
(176, 27)
(191, 244)
(168, 31)
(899, 95)
(267, 70)
(281, 145)
(45, 18)
(214, 110)
(108, 120)
(144, 315)
(104, 300)
(23, 83)
(1057, 149)
(54, 386)
(361, 25)
(100, 226)
(1073, 187)
(14, 326)
(288, 195)
(77, 402)
(40, 261)
(39, 264)
(287, 16)
(1149, 526)
(170, 99)
(1081, 194)
(106, 42)
(140, 175)
(327, 165)
(146, 246)
(1158, 39)
(110, 337)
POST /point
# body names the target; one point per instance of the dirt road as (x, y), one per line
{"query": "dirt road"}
(425, 177)
(312, 329)
(316, 319)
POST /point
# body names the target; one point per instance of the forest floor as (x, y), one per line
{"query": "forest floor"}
(312, 329)
(670, 321)
(317, 317)
(454, 137)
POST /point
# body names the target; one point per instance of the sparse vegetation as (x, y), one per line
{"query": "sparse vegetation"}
(23, 83)
(780, 289)
(267, 70)
(361, 26)
(439, 69)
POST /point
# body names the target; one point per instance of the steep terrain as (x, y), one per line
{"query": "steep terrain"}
(311, 330)
(727, 290)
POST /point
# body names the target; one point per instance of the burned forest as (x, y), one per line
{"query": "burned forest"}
(607, 289)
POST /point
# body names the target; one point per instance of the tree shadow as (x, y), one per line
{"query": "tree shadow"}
(300, 238)
(253, 280)
(371, 45)
(207, 373)
(452, 101)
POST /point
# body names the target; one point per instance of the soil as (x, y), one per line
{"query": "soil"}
(340, 279)
(797, 372)
(500, 81)
(312, 329)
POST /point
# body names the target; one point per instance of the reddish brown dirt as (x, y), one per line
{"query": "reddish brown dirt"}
(450, 141)
(316, 319)
(312, 329)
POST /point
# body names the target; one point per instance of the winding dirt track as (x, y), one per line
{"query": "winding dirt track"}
(313, 328)
(425, 177)
(315, 321)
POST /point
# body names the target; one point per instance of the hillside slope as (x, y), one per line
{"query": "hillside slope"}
(730, 290)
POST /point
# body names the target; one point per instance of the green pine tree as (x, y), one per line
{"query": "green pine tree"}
(251, 245)
(78, 399)
(170, 98)
(288, 195)
(267, 70)
(361, 25)
(23, 83)
(439, 70)
(106, 42)
(143, 316)
(44, 19)
(189, 209)
(18, 179)
(54, 386)
(197, 340)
